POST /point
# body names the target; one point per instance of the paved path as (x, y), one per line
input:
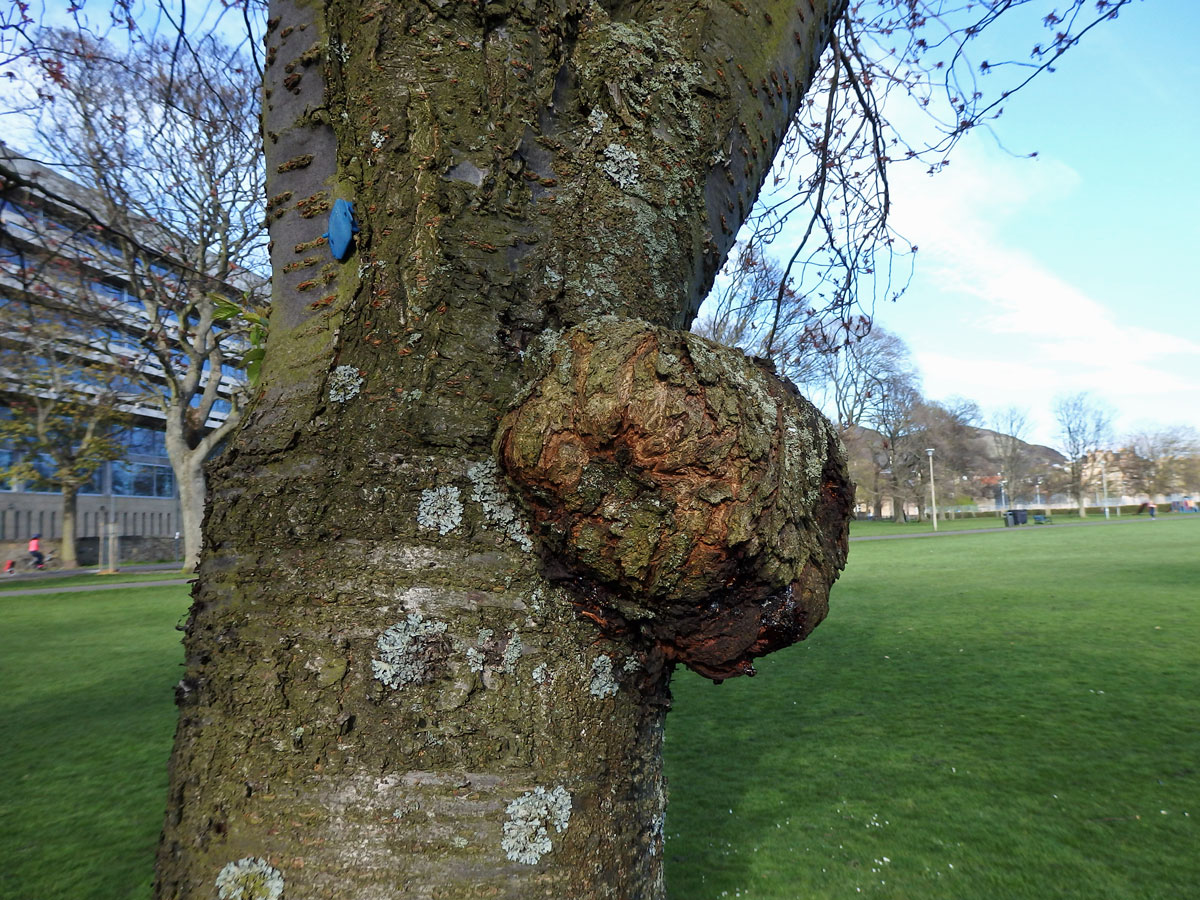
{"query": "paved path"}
(44, 580)
(44, 577)
(1116, 520)
(80, 588)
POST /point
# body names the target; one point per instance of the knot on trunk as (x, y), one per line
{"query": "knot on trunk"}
(688, 492)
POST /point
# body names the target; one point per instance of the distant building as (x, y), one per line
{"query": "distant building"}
(45, 232)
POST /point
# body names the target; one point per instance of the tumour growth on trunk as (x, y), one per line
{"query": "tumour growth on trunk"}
(687, 494)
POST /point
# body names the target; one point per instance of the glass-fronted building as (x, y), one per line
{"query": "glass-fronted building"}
(48, 231)
(138, 493)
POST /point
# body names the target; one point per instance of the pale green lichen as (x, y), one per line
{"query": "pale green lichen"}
(250, 878)
(474, 660)
(344, 384)
(656, 832)
(407, 650)
(596, 119)
(526, 833)
(642, 75)
(621, 165)
(440, 509)
(488, 490)
(541, 674)
(512, 653)
(536, 601)
(603, 684)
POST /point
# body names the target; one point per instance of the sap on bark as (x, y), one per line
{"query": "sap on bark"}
(691, 497)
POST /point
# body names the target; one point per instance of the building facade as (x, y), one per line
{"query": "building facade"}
(56, 256)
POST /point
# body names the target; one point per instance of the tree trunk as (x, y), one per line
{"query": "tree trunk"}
(188, 464)
(388, 692)
(189, 475)
(67, 556)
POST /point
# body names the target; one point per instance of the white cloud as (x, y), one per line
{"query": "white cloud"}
(1019, 333)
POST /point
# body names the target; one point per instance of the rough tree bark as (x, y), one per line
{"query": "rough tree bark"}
(408, 674)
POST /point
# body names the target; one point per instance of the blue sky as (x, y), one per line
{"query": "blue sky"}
(1075, 270)
(1071, 271)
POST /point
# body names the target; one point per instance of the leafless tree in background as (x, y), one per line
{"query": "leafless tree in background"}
(1084, 426)
(67, 394)
(950, 429)
(1011, 425)
(166, 148)
(1155, 462)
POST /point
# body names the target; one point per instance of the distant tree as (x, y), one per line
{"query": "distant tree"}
(1084, 425)
(850, 381)
(1155, 462)
(1011, 426)
(740, 312)
(167, 149)
(949, 428)
(894, 415)
(67, 398)
(1190, 473)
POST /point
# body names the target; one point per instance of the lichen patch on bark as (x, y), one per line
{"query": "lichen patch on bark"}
(688, 493)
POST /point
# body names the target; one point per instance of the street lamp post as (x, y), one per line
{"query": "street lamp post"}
(1104, 482)
(932, 488)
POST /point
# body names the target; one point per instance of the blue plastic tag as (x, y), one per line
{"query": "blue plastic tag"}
(342, 229)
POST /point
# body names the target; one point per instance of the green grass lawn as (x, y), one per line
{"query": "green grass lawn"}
(874, 528)
(87, 715)
(1004, 715)
(985, 717)
(877, 528)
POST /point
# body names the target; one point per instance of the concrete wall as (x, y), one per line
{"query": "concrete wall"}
(24, 514)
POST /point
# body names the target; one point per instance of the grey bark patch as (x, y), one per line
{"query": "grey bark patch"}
(466, 171)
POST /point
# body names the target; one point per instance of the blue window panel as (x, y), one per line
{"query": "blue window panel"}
(122, 479)
(95, 484)
(142, 480)
(7, 458)
(164, 482)
(146, 441)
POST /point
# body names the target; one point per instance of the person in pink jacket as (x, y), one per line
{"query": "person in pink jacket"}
(35, 550)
